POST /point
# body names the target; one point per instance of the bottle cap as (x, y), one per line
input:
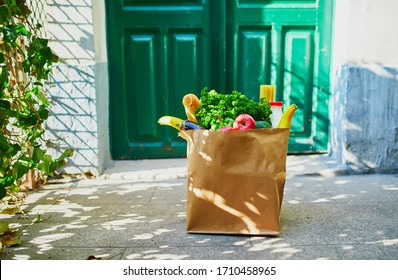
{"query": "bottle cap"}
(276, 103)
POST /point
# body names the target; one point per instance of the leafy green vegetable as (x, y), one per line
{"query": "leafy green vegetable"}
(228, 106)
(263, 124)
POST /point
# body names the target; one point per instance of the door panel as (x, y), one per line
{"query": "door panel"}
(186, 53)
(254, 61)
(160, 50)
(140, 65)
(298, 77)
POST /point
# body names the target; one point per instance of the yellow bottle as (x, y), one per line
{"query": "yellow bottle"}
(287, 116)
(267, 92)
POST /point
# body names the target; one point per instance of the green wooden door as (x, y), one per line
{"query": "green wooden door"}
(160, 50)
(286, 43)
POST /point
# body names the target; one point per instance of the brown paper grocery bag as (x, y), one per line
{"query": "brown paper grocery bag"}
(235, 180)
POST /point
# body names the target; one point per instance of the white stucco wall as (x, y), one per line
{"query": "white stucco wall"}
(101, 83)
(365, 31)
(363, 112)
(79, 84)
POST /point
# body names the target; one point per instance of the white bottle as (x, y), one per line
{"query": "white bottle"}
(276, 108)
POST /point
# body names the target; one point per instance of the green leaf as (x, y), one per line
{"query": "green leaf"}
(47, 53)
(35, 90)
(55, 58)
(59, 162)
(4, 144)
(21, 167)
(13, 150)
(66, 153)
(40, 94)
(10, 34)
(37, 154)
(27, 120)
(54, 166)
(3, 78)
(34, 134)
(24, 10)
(5, 13)
(2, 58)
(37, 219)
(28, 94)
(43, 113)
(5, 105)
(13, 188)
(7, 181)
(4, 228)
(21, 29)
(45, 164)
(3, 192)
(38, 43)
(26, 65)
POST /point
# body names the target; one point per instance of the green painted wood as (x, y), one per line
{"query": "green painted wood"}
(286, 43)
(160, 50)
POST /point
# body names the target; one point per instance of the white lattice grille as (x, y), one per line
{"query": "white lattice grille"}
(38, 15)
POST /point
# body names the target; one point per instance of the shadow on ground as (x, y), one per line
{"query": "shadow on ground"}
(323, 217)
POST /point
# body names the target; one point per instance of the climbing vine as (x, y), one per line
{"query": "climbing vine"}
(25, 64)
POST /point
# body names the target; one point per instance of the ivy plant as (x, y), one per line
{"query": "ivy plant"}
(25, 64)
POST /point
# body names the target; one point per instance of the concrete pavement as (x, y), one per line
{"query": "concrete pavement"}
(136, 210)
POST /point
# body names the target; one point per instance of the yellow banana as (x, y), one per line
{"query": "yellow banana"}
(171, 121)
(287, 116)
